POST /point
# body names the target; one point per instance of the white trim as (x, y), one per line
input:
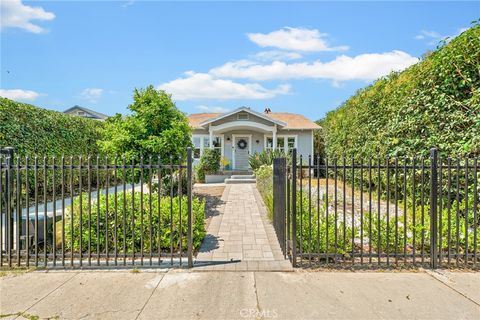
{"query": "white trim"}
(285, 141)
(258, 114)
(312, 143)
(242, 123)
(239, 135)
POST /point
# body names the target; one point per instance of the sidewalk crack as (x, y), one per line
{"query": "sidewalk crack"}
(153, 291)
(58, 287)
(259, 310)
(431, 274)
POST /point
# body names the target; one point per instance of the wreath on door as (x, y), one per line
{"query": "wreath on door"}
(241, 144)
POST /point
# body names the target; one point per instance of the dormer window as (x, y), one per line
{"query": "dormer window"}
(242, 116)
(80, 113)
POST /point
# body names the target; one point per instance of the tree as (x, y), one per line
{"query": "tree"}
(154, 128)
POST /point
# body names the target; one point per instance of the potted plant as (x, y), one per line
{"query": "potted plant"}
(225, 163)
(209, 166)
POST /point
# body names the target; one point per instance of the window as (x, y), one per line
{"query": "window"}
(206, 143)
(197, 142)
(269, 143)
(291, 143)
(284, 143)
(281, 144)
(202, 142)
(242, 116)
(217, 143)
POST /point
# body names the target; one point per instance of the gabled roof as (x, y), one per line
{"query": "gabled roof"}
(293, 120)
(95, 114)
(243, 109)
(290, 120)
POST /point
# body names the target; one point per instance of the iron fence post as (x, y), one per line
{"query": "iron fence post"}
(279, 203)
(433, 207)
(294, 207)
(189, 208)
(9, 223)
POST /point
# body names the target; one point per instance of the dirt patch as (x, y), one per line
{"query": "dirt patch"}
(212, 196)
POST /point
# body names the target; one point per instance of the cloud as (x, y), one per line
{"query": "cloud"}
(212, 109)
(14, 14)
(205, 86)
(19, 94)
(368, 66)
(91, 94)
(294, 39)
(276, 55)
(128, 3)
(433, 37)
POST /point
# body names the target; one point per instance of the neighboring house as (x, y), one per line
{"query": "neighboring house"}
(85, 113)
(242, 132)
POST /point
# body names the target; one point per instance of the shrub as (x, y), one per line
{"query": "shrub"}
(264, 177)
(310, 234)
(164, 215)
(209, 163)
(265, 157)
(34, 131)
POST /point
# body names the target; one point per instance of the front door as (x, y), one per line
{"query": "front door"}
(241, 149)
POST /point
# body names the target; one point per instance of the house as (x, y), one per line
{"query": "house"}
(242, 132)
(85, 113)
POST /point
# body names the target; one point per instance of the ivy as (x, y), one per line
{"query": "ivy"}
(34, 131)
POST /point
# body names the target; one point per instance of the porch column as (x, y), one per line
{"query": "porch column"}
(210, 131)
(274, 137)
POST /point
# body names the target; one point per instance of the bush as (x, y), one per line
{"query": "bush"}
(311, 236)
(157, 215)
(266, 157)
(34, 131)
(264, 177)
(209, 163)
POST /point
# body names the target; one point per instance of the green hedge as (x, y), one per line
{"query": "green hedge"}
(106, 220)
(35, 131)
(434, 103)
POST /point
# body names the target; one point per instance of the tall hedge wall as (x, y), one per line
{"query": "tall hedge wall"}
(35, 131)
(434, 103)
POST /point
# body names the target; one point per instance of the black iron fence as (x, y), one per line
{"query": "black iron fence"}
(390, 212)
(84, 211)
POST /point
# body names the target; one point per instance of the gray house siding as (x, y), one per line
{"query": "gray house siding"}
(251, 117)
(304, 141)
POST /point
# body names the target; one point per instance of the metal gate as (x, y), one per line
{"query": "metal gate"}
(95, 211)
(378, 212)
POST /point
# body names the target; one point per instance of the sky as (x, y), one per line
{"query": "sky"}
(301, 57)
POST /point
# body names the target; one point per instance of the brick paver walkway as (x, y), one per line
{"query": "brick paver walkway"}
(240, 237)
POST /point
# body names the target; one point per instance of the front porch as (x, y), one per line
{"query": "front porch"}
(231, 176)
(244, 132)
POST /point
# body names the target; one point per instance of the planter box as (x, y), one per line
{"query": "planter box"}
(215, 178)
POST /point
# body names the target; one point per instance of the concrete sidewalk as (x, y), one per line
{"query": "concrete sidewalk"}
(180, 294)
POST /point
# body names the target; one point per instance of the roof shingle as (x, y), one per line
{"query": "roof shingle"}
(293, 120)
